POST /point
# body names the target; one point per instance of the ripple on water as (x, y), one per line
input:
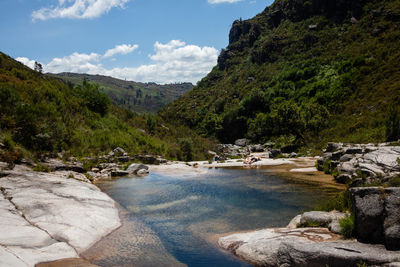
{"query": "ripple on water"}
(170, 220)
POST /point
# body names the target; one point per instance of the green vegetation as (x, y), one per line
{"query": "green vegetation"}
(134, 96)
(347, 226)
(340, 202)
(280, 78)
(40, 114)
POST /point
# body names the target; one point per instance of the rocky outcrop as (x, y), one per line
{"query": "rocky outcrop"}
(377, 215)
(49, 216)
(304, 247)
(367, 162)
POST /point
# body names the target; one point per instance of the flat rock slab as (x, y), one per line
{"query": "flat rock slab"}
(46, 217)
(303, 247)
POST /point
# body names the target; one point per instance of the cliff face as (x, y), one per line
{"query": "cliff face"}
(302, 72)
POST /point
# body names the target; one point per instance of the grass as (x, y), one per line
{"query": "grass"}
(347, 226)
(341, 202)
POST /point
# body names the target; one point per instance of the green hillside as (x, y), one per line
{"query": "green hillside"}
(303, 72)
(137, 97)
(40, 114)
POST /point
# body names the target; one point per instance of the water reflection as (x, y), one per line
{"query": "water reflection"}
(187, 213)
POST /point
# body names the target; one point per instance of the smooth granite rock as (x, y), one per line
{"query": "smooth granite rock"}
(322, 218)
(48, 216)
(304, 247)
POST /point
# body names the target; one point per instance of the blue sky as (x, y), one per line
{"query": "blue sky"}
(143, 40)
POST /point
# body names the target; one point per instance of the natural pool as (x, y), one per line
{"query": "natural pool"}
(186, 213)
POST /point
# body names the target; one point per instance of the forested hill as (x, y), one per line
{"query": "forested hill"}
(41, 115)
(303, 72)
(135, 96)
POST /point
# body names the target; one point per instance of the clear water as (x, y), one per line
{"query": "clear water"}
(187, 213)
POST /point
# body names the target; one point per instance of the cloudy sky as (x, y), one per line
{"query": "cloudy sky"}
(159, 41)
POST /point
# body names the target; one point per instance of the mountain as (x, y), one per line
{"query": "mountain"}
(303, 72)
(40, 114)
(135, 96)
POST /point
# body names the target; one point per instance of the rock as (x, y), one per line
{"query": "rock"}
(124, 159)
(354, 150)
(142, 172)
(242, 142)
(304, 247)
(293, 155)
(104, 166)
(353, 20)
(373, 170)
(46, 217)
(347, 167)
(58, 165)
(313, 27)
(3, 165)
(118, 151)
(134, 168)
(368, 208)
(294, 222)
(322, 218)
(95, 170)
(336, 155)
(332, 147)
(346, 157)
(343, 178)
(274, 153)
(334, 227)
(119, 173)
(392, 220)
(257, 148)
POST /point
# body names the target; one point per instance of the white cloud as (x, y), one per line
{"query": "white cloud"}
(26, 61)
(121, 49)
(77, 9)
(222, 1)
(172, 62)
(81, 63)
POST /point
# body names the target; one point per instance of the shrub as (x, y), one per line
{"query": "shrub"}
(41, 168)
(347, 226)
(394, 182)
(340, 202)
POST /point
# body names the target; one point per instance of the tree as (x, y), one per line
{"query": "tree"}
(38, 67)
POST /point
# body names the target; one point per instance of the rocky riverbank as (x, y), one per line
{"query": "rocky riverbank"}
(374, 222)
(50, 216)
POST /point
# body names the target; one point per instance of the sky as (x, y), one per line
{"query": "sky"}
(163, 41)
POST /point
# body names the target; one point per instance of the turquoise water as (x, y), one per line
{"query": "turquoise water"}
(188, 212)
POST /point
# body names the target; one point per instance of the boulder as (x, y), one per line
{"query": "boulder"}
(242, 142)
(294, 222)
(142, 172)
(257, 148)
(119, 151)
(304, 247)
(336, 155)
(353, 150)
(334, 227)
(368, 208)
(58, 165)
(322, 218)
(332, 147)
(274, 153)
(135, 168)
(346, 157)
(391, 224)
(150, 159)
(293, 155)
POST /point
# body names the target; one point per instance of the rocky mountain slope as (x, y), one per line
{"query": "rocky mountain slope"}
(135, 96)
(303, 72)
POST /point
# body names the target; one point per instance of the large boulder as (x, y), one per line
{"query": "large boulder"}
(285, 247)
(377, 215)
(391, 224)
(138, 169)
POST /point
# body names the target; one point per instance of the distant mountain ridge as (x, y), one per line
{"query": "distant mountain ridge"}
(135, 96)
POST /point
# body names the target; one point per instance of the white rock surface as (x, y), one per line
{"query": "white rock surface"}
(48, 216)
(285, 247)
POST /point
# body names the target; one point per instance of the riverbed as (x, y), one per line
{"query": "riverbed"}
(183, 214)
